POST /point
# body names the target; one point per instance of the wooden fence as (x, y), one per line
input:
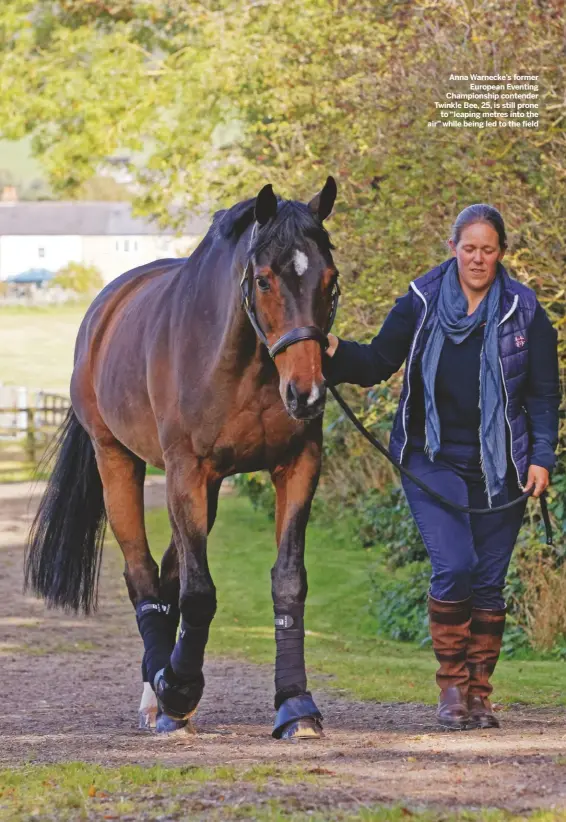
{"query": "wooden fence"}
(30, 418)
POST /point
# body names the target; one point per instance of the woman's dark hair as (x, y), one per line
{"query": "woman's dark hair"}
(479, 213)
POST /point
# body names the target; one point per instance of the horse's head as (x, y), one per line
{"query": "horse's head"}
(292, 283)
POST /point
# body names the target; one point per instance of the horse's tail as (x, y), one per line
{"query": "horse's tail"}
(62, 561)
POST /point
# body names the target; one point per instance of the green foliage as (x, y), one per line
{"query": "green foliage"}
(400, 603)
(257, 486)
(80, 278)
(103, 188)
(342, 88)
(385, 519)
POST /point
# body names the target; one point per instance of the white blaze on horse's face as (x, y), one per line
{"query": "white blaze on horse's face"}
(301, 262)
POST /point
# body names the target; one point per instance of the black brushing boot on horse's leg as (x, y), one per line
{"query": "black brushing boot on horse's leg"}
(192, 503)
(157, 624)
(295, 483)
(151, 715)
(169, 592)
(180, 683)
(297, 714)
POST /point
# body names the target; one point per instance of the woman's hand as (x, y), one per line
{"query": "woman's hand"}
(333, 340)
(539, 477)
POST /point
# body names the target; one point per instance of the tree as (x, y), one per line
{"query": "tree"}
(227, 96)
(83, 279)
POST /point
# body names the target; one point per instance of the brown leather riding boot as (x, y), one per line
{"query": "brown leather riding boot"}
(450, 632)
(483, 652)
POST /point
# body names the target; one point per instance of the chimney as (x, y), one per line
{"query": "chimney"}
(9, 194)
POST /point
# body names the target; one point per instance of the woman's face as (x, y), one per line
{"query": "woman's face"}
(477, 253)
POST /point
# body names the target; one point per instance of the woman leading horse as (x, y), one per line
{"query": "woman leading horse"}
(477, 421)
(170, 371)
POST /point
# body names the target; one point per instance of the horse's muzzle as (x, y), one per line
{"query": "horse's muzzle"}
(305, 405)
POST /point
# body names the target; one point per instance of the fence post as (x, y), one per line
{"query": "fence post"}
(30, 438)
(22, 405)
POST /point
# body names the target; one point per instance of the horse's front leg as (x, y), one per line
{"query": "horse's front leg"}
(180, 684)
(295, 484)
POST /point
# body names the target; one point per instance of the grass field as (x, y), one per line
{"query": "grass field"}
(342, 648)
(37, 344)
(36, 351)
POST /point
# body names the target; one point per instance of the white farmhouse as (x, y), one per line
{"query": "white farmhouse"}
(49, 234)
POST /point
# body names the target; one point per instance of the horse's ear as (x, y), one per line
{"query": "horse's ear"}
(265, 205)
(322, 203)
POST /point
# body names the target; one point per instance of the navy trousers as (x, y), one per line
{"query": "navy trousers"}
(469, 553)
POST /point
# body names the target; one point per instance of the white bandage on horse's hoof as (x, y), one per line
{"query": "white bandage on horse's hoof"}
(148, 708)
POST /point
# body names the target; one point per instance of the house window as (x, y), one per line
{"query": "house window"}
(117, 246)
(126, 245)
(135, 245)
(41, 252)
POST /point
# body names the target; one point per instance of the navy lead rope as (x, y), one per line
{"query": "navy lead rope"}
(376, 444)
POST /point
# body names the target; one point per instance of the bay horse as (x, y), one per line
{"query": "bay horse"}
(205, 367)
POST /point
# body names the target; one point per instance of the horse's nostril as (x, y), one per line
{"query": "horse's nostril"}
(293, 396)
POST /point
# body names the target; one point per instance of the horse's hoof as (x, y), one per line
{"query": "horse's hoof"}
(179, 702)
(298, 718)
(307, 728)
(165, 725)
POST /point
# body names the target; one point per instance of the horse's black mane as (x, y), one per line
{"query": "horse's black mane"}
(292, 221)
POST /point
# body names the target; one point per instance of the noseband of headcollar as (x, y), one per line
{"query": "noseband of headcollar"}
(305, 332)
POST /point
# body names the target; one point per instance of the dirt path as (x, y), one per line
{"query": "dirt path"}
(72, 687)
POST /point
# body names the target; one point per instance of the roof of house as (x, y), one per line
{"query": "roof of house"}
(83, 218)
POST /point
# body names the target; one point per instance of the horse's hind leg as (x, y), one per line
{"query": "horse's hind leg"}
(191, 499)
(122, 475)
(169, 595)
(169, 590)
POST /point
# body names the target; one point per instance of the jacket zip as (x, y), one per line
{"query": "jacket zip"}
(416, 290)
(521, 486)
(511, 310)
(506, 317)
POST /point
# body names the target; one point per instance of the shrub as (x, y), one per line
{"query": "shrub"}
(400, 603)
(257, 486)
(385, 519)
(83, 279)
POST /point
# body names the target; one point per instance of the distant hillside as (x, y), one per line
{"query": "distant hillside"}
(19, 168)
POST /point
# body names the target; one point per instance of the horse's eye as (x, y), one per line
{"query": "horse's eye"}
(262, 283)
